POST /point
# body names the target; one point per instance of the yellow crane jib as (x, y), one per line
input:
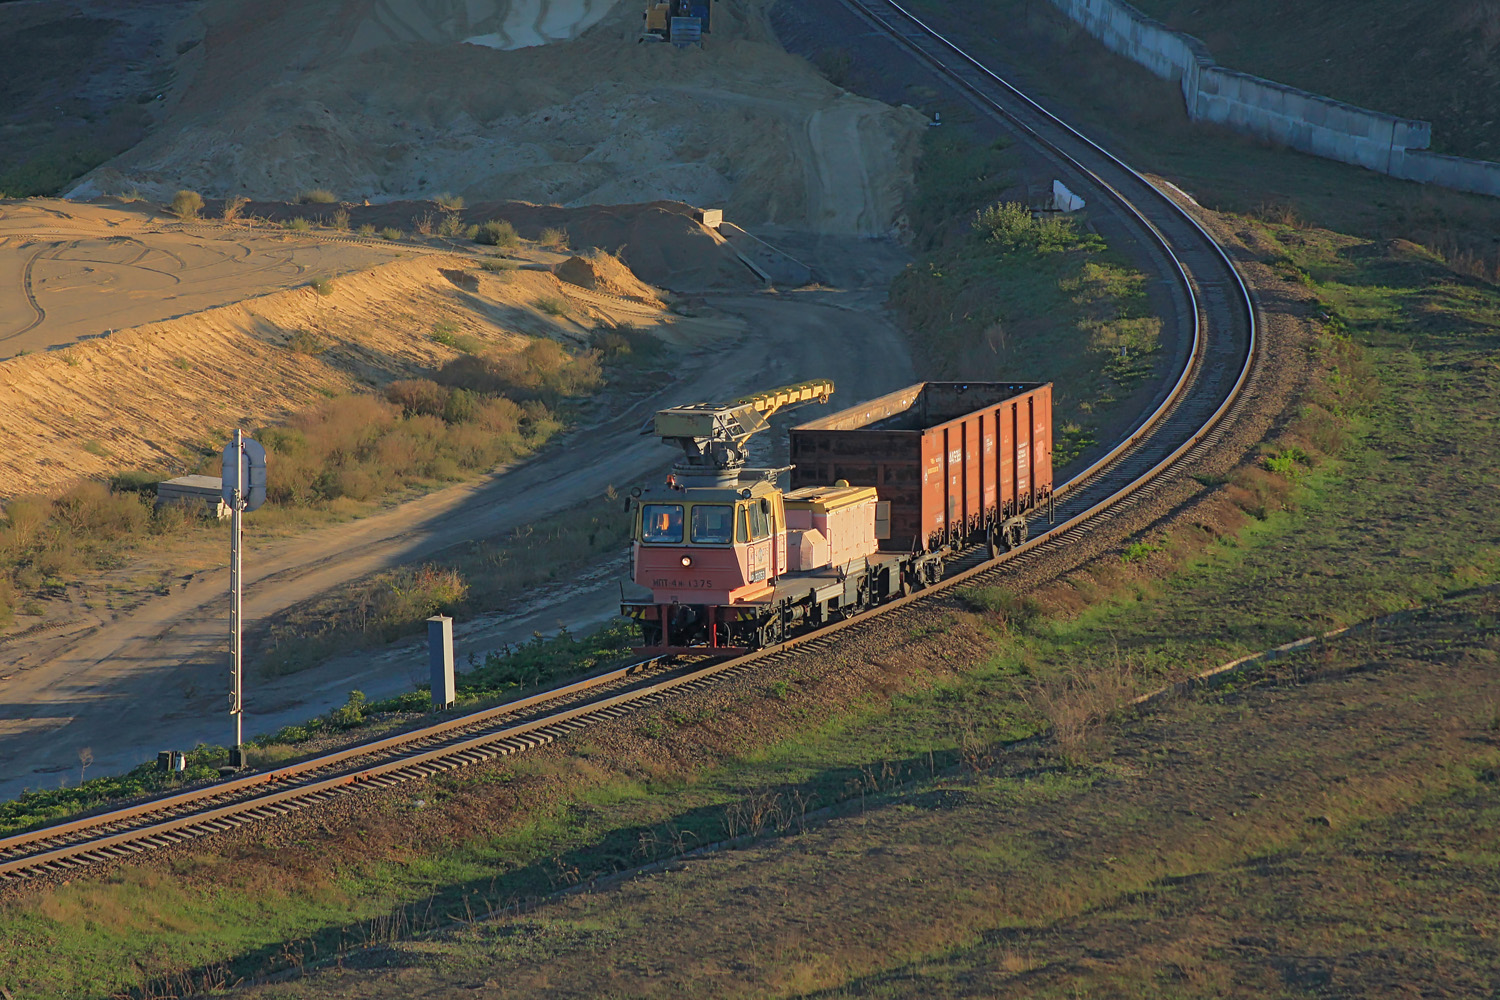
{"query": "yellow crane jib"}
(713, 436)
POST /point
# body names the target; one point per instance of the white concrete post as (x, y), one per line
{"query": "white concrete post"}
(440, 660)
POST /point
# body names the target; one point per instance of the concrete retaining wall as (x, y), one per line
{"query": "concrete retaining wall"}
(1307, 122)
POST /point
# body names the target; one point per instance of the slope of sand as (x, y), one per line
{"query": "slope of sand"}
(382, 99)
(143, 397)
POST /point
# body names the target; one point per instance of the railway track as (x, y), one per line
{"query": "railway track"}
(1220, 340)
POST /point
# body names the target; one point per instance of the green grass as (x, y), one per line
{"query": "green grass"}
(447, 334)
(998, 294)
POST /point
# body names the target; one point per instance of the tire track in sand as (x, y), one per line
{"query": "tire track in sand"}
(36, 307)
(842, 200)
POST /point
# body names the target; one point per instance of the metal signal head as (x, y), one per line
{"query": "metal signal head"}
(252, 473)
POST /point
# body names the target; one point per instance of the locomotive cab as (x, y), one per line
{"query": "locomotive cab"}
(710, 545)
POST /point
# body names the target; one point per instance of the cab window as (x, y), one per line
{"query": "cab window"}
(661, 523)
(760, 524)
(713, 524)
(742, 524)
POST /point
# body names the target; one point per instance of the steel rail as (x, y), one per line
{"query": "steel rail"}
(121, 833)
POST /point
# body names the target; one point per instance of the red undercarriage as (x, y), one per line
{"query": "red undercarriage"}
(660, 614)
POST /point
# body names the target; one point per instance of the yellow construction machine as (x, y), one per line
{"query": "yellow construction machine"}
(681, 22)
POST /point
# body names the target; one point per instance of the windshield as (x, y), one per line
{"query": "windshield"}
(713, 524)
(661, 523)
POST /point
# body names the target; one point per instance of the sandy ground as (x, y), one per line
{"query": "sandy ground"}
(70, 272)
(383, 99)
(162, 666)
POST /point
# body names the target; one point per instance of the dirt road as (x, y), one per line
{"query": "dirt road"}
(162, 668)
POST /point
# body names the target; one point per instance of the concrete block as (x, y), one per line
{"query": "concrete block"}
(440, 660)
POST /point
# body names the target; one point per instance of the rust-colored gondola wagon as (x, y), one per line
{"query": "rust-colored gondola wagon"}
(959, 462)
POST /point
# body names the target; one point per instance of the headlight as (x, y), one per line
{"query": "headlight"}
(687, 560)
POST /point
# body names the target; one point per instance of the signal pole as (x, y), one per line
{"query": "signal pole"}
(243, 487)
(236, 591)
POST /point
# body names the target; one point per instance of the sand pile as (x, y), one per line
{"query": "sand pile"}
(603, 272)
(495, 24)
(383, 100)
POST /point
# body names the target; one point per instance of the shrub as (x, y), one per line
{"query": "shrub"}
(233, 206)
(543, 370)
(92, 510)
(625, 340)
(449, 202)
(187, 204)
(497, 266)
(367, 230)
(1011, 610)
(452, 225)
(1138, 551)
(340, 219)
(412, 595)
(297, 224)
(552, 306)
(349, 714)
(1011, 226)
(391, 233)
(323, 286)
(556, 239)
(461, 407)
(316, 196)
(418, 395)
(134, 481)
(424, 224)
(304, 342)
(498, 233)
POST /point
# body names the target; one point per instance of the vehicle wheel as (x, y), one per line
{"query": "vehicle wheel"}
(1015, 532)
(772, 632)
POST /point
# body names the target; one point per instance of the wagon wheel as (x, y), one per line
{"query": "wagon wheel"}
(773, 631)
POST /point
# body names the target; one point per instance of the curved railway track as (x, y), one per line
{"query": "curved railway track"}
(1220, 337)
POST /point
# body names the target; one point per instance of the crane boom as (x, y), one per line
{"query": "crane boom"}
(713, 436)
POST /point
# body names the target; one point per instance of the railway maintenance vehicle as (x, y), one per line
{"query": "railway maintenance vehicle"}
(882, 496)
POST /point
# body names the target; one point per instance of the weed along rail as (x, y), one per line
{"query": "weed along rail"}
(1217, 337)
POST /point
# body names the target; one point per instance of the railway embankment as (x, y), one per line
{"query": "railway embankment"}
(970, 790)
